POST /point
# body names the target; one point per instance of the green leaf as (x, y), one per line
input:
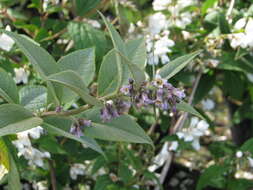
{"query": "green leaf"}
(80, 61)
(223, 24)
(183, 106)
(137, 74)
(13, 176)
(85, 36)
(117, 41)
(206, 5)
(122, 129)
(8, 88)
(205, 85)
(33, 97)
(73, 81)
(135, 52)
(125, 173)
(212, 176)
(172, 68)
(240, 184)
(119, 46)
(248, 146)
(102, 182)
(108, 77)
(42, 61)
(83, 7)
(15, 118)
(4, 154)
(60, 126)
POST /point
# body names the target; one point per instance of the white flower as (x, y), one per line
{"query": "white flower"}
(6, 42)
(194, 132)
(186, 35)
(240, 24)
(239, 154)
(163, 45)
(157, 23)
(208, 104)
(173, 146)
(41, 185)
(77, 169)
(21, 75)
(250, 77)
(159, 5)
(160, 158)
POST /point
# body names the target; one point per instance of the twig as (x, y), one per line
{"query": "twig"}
(230, 9)
(52, 175)
(178, 126)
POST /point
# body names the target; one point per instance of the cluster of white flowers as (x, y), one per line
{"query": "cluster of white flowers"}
(25, 148)
(158, 42)
(242, 36)
(179, 17)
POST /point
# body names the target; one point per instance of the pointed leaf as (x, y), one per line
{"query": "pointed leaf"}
(136, 52)
(15, 118)
(122, 128)
(80, 61)
(33, 97)
(108, 77)
(177, 65)
(42, 61)
(183, 106)
(73, 81)
(8, 88)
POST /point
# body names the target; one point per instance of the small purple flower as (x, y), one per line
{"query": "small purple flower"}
(76, 130)
(108, 112)
(145, 98)
(126, 89)
(58, 109)
(85, 123)
(179, 93)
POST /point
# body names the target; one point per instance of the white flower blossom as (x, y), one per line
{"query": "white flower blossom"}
(208, 104)
(77, 169)
(6, 42)
(194, 132)
(21, 75)
(242, 39)
(23, 144)
(157, 23)
(173, 146)
(160, 158)
(239, 154)
(159, 5)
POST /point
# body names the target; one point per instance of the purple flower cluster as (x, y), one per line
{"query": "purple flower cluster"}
(158, 93)
(112, 110)
(77, 128)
